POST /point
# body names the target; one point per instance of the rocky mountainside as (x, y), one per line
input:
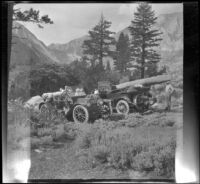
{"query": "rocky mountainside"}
(27, 50)
(171, 25)
(68, 52)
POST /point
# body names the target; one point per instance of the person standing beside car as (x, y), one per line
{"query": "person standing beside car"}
(169, 90)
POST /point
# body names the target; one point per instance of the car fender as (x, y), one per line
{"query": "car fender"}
(123, 97)
(40, 105)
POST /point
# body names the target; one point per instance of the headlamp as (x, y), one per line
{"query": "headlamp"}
(100, 102)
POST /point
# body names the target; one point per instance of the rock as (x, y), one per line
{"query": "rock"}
(154, 106)
(147, 112)
(158, 106)
(38, 151)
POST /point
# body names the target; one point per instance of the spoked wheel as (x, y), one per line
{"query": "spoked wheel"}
(122, 107)
(80, 114)
(140, 103)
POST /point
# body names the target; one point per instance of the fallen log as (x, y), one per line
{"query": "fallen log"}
(147, 81)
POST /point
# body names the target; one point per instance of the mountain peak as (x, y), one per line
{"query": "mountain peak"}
(171, 25)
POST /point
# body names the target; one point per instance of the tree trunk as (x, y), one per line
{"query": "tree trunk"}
(92, 63)
(143, 58)
(101, 61)
(142, 71)
(101, 48)
(101, 54)
(143, 62)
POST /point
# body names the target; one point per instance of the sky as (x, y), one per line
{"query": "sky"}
(74, 20)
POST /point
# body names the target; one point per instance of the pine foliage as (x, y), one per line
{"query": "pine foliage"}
(144, 39)
(98, 46)
(123, 53)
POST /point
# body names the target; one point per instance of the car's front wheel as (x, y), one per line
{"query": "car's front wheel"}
(80, 114)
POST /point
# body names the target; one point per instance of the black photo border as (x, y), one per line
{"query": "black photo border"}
(191, 85)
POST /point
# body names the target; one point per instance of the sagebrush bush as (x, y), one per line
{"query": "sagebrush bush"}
(143, 162)
(100, 153)
(140, 149)
(85, 136)
(26, 123)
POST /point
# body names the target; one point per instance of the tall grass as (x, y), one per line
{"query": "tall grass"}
(18, 126)
(139, 143)
(28, 124)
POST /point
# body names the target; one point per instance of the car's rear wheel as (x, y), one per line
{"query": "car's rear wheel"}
(80, 114)
(122, 107)
(141, 102)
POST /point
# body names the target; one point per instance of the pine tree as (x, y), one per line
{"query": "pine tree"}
(123, 53)
(144, 39)
(98, 46)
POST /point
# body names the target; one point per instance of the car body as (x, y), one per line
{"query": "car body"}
(86, 108)
(128, 99)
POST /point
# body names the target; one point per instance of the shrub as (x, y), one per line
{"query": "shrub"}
(160, 120)
(18, 124)
(168, 122)
(164, 161)
(35, 142)
(100, 153)
(141, 149)
(143, 162)
(85, 137)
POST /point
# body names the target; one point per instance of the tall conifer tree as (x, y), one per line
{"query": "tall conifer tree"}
(99, 44)
(145, 39)
(123, 53)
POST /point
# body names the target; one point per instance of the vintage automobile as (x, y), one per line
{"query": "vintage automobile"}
(127, 99)
(81, 109)
(89, 108)
(131, 96)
